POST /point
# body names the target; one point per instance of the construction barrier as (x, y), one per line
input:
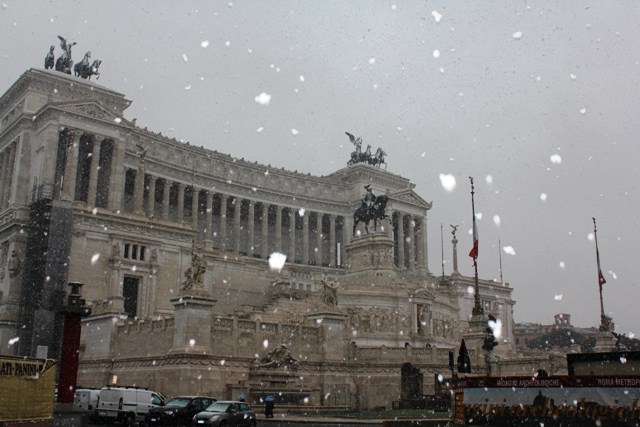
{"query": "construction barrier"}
(27, 388)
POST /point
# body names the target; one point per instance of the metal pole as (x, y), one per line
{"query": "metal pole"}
(477, 306)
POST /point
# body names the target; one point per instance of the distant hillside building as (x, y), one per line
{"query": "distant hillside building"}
(525, 333)
(172, 242)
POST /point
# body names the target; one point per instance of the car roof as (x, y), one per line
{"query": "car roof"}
(193, 397)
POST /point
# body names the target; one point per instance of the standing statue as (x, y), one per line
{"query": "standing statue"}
(372, 208)
(194, 276)
(355, 155)
(358, 156)
(64, 62)
(329, 290)
(14, 264)
(49, 60)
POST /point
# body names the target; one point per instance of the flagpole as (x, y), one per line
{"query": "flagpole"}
(477, 306)
(601, 280)
(442, 248)
(500, 258)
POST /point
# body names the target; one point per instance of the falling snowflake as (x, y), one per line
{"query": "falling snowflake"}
(562, 264)
(276, 261)
(294, 131)
(436, 15)
(557, 297)
(496, 219)
(436, 53)
(302, 78)
(192, 342)
(556, 158)
(517, 35)
(489, 179)
(205, 44)
(263, 99)
(543, 197)
(372, 61)
(509, 250)
(573, 76)
(95, 258)
(583, 111)
(448, 182)
(185, 58)
(265, 343)
(260, 129)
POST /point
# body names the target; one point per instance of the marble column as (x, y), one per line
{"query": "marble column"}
(116, 177)
(12, 174)
(223, 222)
(279, 228)
(4, 178)
(401, 241)
(250, 228)
(208, 211)
(265, 231)
(151, 198)
(195, 206)
(138, 192)
(420, 243)
(318, 253)
(305, 238)
(292, 235)
(332, 240)
(165, 199)
(180, 202)
(71, 167)
(412, 243)
(237, 234)
(93, 173)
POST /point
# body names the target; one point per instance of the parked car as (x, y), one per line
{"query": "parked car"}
(86, 399)
(227, 413)
(178, 412)
(127, 405)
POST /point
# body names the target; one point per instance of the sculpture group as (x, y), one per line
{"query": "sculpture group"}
(358, 156)
(64, 63)
(372, 208)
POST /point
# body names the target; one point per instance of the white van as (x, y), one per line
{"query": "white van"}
(86, 399)
(127, 405)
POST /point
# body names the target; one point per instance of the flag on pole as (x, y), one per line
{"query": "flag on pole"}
(474, 250)
(601, 280)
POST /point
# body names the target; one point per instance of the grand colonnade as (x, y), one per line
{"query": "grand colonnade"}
(87, 168)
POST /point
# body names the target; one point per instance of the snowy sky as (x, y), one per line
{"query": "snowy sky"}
(537, 100)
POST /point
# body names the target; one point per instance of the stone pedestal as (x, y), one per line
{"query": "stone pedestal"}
(605, 342)
(474, 339)
(371, 251)
(332, 323)
(192, 329)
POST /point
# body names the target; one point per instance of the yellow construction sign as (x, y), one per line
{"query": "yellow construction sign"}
(26, 388)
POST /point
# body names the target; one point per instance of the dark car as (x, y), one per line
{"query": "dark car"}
(227, 413)
(179, 411)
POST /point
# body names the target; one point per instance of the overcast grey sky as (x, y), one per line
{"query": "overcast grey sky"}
(538, 100)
